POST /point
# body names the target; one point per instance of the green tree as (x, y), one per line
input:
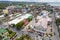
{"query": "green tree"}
(30, 18)
(58, 21)
(3, 5)
(20, 24)
(24, 37)
(1, 37)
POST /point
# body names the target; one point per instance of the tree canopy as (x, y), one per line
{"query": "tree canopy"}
(24, 37)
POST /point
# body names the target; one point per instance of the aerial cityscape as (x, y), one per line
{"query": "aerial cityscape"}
(29, 21)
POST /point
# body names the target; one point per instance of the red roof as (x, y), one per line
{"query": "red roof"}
(26, 22)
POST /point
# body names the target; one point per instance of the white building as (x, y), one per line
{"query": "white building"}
(42, 22)
(57, 15)
(1, 16)
(15, 21)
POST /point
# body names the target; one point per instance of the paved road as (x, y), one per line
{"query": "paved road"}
(54, 28)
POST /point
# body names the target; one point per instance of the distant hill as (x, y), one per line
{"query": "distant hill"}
(14, 2)
(4, 4)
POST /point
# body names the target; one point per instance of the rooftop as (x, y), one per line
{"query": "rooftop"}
(15, 21)
(2, 30)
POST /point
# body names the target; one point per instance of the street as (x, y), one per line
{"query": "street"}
(54, 28)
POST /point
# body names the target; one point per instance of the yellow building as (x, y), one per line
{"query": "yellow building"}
(5, 11)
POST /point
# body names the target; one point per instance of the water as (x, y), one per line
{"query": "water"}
(54, 3)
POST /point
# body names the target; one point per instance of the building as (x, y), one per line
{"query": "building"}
(21, 18)
(44, 13)
(3, 34)
(5, 11)
(41, 22)
(10, 9)
(57, 14)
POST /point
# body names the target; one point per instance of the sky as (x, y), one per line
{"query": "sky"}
(34, 0)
